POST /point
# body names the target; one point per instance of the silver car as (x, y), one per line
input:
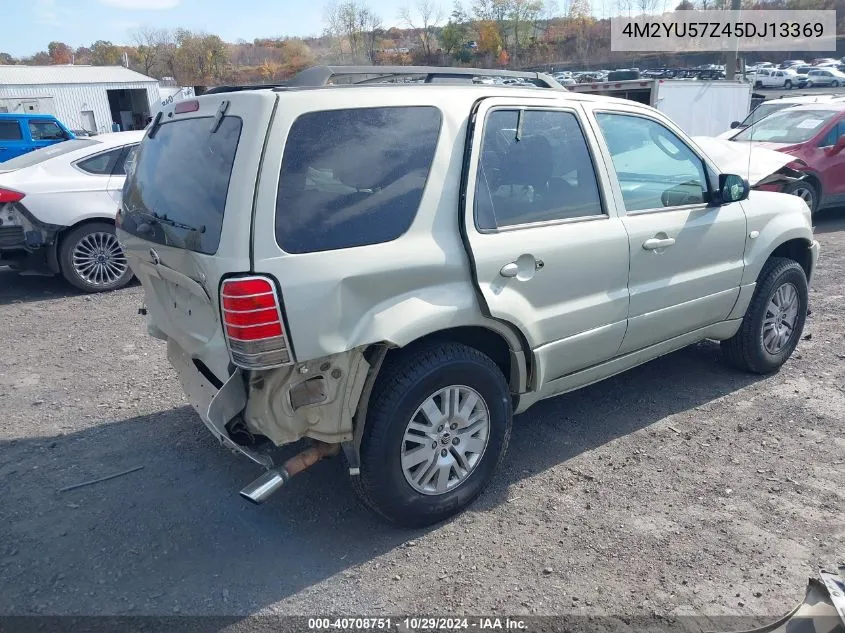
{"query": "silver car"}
(394, 272)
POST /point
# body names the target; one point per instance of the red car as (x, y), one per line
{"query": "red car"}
(815, 136)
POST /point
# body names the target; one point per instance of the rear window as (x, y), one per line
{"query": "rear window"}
(353, 177)
(46, 153)
(178, 183)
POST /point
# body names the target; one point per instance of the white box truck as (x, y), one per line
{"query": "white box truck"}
(700, 108)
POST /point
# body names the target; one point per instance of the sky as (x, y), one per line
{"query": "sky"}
(28, 26)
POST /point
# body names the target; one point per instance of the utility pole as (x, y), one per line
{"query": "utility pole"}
(731, 62)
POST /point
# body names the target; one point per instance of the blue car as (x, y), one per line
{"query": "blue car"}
(22, 133)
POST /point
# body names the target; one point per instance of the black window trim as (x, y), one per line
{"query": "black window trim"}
(604, 215)
(708, 170)
(121, 160)
(75, 164)
(431, 167)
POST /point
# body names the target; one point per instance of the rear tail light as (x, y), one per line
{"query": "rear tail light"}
(10, 195)
(252, 323)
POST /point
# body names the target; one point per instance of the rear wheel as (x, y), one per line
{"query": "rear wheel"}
(807, 191)
(438, 425)
(774, 320)
(91, 259)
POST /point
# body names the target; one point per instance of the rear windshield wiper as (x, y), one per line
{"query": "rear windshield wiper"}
(163, 219)
(155, 218)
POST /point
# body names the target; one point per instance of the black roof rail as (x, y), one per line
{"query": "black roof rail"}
(327, 75)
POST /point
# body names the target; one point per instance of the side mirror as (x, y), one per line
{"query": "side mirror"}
(733, 188)
(838, 146)
(735, 125)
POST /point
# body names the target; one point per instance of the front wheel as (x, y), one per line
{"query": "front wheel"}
(787, 85)
(91, 259)
(774, 320)
(807, 192)
(834, 84)
(438, 425)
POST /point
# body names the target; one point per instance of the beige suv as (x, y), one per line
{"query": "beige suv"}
(393, 270)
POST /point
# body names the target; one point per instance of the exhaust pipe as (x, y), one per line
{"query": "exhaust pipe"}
(259, 490)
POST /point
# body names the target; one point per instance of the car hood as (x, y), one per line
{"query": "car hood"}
(750, 160)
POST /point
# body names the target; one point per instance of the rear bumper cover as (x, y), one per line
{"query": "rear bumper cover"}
(216, 407)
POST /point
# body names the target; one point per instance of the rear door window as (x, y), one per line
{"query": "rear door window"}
(353, 177)
(543, 173)
(10, 131)
(178, 183)
(101, 164)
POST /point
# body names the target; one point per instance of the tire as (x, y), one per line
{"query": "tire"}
(787, 85)
(91, 260)
(758, 84)
(807, 191)
(407, 380)
(747, 349)
(834, 84)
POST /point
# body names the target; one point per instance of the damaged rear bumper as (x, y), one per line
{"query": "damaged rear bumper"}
(216, 407)
(315, 399)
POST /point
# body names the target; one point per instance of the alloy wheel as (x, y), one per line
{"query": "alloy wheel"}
(445, 440)
(781, 318)
(98, 259)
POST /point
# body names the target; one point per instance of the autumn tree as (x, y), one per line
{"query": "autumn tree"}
(354, 24)
(149, 47)
(104, 53)
(200, 57)
(423, 22)
(489, 41)
(523, 16)
(60, 53)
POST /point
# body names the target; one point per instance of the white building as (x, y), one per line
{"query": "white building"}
(82, 97)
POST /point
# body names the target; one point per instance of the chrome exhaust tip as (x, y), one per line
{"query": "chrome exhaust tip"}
(259, 490)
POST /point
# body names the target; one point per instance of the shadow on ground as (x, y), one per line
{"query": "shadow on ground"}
(176, 538)
(17, 288)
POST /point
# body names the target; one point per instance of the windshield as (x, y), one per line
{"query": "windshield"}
(787, 126)
(176, 190)
(763, 110)
(46, 153)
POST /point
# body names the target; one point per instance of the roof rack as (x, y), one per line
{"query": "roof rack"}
(356, 75)
(326, 75)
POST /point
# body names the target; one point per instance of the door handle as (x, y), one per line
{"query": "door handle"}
(655, 243)
(523, 268)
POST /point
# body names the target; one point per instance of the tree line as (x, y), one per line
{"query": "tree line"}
(483, 33)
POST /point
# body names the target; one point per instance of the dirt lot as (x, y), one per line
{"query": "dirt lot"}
(679, 487)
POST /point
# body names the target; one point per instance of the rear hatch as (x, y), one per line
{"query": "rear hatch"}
(186, 214)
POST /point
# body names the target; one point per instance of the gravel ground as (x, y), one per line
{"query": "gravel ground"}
(679, 487)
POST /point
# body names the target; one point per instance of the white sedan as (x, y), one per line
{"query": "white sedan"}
(57, 210)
